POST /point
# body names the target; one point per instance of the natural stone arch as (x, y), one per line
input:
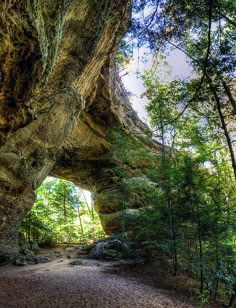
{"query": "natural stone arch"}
(88, 152)
(59, 97)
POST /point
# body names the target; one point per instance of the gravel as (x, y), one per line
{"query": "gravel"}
(89, 285)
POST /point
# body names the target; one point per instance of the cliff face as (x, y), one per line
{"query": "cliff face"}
(59, 97)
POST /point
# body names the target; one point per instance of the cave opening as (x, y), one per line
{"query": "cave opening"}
(63, 213)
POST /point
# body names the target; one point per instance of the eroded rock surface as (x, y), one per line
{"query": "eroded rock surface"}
(59, 97)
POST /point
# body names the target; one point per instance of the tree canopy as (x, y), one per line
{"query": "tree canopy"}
(61, 214)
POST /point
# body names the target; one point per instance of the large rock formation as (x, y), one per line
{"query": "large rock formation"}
(59, 97)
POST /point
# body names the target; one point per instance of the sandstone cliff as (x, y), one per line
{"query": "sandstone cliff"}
(59, 97)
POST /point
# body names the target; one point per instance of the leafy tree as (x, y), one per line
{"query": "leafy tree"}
(189, 213)
(199, 182)
(60, 214)
(205, 32)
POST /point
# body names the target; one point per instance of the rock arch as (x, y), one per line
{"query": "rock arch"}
(59, 97)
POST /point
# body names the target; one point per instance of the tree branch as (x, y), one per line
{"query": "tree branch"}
(232, 22)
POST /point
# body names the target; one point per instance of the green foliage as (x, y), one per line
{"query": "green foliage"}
(123, 55)
(188, 197)
(197, 184)
(60, 215)
(190, 212)
(205, 32)
(128, 149)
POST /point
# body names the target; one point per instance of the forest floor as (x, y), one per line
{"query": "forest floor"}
(92, 284)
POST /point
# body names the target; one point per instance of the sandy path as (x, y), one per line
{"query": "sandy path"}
(60, 285)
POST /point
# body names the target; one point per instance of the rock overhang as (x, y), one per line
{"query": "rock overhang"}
(60, 95)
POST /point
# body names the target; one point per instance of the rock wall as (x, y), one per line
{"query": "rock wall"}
(59, 97)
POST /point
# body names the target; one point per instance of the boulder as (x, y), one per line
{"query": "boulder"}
(41, 259)
(108, 249)
(20, 260)
(70, 249)
(34, 246)
(75, 262)
(4, 258)
(25, 257)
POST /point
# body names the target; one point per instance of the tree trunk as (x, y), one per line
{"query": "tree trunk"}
(91, 214)
(64, 203)
(200, 250)
(81, 224)
(230, 96)
(29, 228)
(232, 302)
(224, 126)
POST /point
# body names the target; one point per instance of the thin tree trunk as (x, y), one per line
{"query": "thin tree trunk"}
(200, 250)
(64, 204)
(216, 247)
(224, 126)
(47, 202)
(175, 255)
(201, 264)
(81, 224)
(29, 228)
(173, 235)
(230, 96)
(89, 210)
(168, 194)
(232, 302)
(91, 214)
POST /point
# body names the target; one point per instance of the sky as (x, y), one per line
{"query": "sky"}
(86, 197)
(177, 62)
(178, 67)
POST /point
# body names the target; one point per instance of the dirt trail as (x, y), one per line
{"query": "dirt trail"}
(89, 285)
